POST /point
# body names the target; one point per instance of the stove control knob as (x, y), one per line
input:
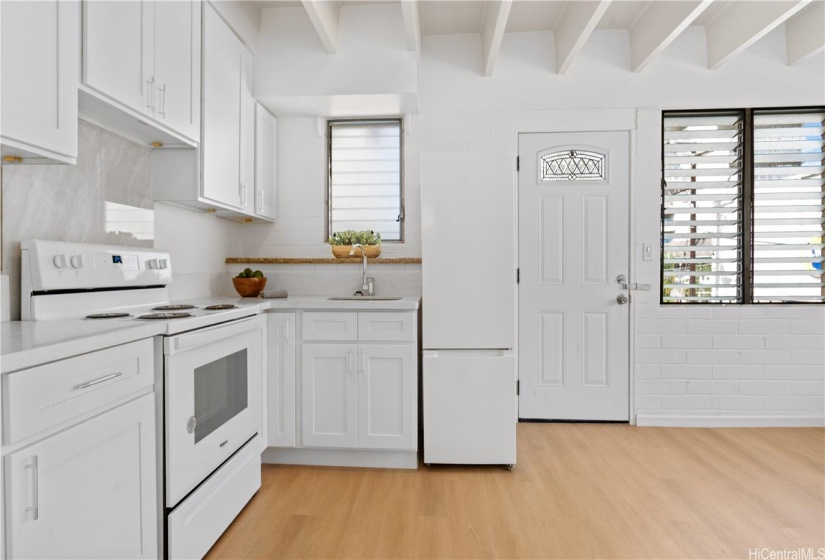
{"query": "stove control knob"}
(76, 261)
(59, 261)
(163, 263)
(152, 264)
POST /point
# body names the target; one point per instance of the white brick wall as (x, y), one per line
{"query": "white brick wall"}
(718, 365)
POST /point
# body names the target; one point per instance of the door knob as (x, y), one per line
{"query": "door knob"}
(622, 299)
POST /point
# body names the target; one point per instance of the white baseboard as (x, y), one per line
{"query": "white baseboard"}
(805, 420)
(341, 458)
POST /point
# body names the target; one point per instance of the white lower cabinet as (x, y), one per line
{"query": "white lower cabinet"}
(88, 491)
(386, 396)
(280, 371)
(360, 395)
(330, 400)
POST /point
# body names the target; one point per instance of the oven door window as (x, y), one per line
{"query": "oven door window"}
(220, 392)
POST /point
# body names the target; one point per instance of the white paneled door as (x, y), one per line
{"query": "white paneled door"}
(573, 247)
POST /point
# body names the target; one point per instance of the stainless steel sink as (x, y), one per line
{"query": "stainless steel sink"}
(365, 298)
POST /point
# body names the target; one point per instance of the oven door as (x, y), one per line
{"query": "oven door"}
(213, 405)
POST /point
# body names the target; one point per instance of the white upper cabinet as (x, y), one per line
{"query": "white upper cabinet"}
(266, 138)
(40, 54)
(222, 176)
(118, 51)
(226, 131)
(143, 57)
(177, 78)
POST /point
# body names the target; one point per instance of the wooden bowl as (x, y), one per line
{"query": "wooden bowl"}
(249, 287)
(343, 251)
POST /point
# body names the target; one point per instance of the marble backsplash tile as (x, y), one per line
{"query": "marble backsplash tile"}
(105, 198)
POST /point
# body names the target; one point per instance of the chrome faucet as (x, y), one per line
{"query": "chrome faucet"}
(367, 284)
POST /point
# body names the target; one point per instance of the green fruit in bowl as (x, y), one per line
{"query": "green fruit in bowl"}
(258, 274)
(247, 272)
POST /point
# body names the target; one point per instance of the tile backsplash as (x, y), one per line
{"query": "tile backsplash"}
(105, 198)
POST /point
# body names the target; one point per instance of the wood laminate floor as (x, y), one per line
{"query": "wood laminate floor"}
(578, 491)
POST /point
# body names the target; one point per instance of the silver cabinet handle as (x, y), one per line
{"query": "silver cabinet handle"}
(191, 424)
(242, 193)
(35, 507)
(101, 380)
(349, 361)
(151, 87)
(260, 201)
(362, 362)
(162, 111)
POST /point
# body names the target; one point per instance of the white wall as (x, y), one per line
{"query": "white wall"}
(371, 72)
(733, 365)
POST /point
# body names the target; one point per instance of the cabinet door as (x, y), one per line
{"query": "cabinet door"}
(40, 54)
(223, 60)
(178, 66)
(329, 401)
(265, 162)
(280, 408)
(387, 400)
(247, 136)
(87, 492)
(118, 52)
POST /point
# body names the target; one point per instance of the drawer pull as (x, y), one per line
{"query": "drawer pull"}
(101, 380)
(224, 443)
(35, 491)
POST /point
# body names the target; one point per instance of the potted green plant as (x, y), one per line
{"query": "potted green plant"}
(342, 242)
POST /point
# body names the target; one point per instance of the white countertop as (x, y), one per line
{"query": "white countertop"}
(25, 344)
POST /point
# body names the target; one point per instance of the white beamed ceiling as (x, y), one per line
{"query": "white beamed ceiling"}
(638, 17)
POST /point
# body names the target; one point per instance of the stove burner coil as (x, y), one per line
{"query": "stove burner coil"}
(107, 315)
(173, 307)
(219, 306)
(165, 316)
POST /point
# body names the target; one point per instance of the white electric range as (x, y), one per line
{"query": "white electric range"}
(209, 364)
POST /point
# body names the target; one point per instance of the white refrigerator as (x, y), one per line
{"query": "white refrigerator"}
(469, 307)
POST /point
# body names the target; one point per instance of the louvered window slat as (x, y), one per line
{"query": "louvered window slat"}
(701, 229)
(365, 177)
(788, 183)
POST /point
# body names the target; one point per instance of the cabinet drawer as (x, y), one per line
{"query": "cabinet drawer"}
(38, 398)
(388, 326)
(341, 326)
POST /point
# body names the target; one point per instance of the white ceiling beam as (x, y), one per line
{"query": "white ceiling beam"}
(492, 31)
(574, 28)
(805, 33)
(324, 17)
(658, 26)
(742, 24)
(412, 24)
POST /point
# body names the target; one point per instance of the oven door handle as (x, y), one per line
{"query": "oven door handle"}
(180, 343)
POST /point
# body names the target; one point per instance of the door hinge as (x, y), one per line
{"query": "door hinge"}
(518, 387)
(518, 275)
(518, 163)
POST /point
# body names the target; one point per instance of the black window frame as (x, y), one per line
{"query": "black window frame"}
(748, 185)
(401, 193)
